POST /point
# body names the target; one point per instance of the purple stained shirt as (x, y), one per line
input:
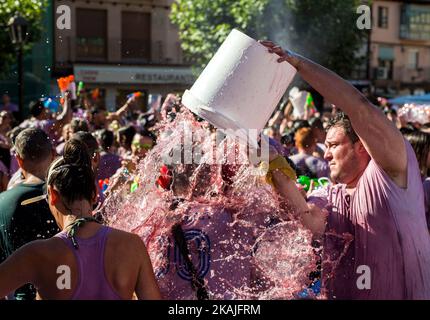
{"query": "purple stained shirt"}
(109, 164)
(45, 125)
(11, 107)
(389, 235)
(219, 251)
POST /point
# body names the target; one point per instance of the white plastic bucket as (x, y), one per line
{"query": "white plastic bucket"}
(241, 86)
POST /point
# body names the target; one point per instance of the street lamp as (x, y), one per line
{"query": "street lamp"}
(18, 34)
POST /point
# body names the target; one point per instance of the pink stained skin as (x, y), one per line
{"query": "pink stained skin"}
(257, 250)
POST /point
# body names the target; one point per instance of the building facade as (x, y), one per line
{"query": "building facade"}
(400, 47)
(119, 47)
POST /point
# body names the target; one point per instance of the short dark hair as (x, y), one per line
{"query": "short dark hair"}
(77, 125)
(341, 120)
(128, 132)
(316, 122)
(298, 124)
(33, 145)
(36, 108)
(89, 141)
(106, 138)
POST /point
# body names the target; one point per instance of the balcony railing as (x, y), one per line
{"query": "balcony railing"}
(70, 50)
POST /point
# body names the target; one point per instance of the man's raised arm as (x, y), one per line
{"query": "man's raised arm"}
(380, 137)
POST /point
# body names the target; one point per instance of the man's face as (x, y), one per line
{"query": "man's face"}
(343, 156)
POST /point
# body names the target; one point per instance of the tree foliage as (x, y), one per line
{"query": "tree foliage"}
(204, 24)
(324, 30)
(32, 11)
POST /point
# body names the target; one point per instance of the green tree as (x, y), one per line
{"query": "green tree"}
(324, 30)
(32, 11)
(204, 24)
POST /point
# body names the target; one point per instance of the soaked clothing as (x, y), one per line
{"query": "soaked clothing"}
(220, 253)
(92, 283)
(389, 235)
(22, 224)
(109, 164)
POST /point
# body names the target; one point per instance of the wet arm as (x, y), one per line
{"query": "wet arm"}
(17, 270)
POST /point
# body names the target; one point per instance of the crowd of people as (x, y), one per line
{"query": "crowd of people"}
(56, 170)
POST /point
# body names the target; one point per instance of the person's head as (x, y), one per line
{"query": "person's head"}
(34, 152)
(298, 124)
(305, 140)
(71, 182)
(420, 142)
(5, 99)
(77, 125)
(287, 139)
(345, 152)
(92, 146)
(98, 117)
(106, 139)
(12, 134)
(5, 121)
(141, 144)
(125, 136)
(38, 111)
(318, 129)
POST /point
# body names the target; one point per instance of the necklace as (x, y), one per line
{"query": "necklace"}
(74, 227)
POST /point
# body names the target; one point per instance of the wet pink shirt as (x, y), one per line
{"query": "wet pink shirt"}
(219, 252)
(389, 232)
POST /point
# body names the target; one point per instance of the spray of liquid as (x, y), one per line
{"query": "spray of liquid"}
(242, 239)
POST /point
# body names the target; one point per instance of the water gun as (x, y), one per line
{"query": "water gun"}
(165, 178)
(80, 87)
(310, 105)
(104, 184)
(305, 181)
(51, 104)
(67, 84)
(136, 94)
(135, 184)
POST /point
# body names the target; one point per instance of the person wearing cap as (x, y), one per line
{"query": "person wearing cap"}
(20, 224)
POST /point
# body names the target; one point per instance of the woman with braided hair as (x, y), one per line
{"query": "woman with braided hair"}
(86, 260)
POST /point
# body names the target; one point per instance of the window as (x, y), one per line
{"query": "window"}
(383, 17)
(413, 58)
(136, 36)
(91, 34)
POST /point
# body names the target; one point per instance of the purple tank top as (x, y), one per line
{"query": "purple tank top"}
(92, 281)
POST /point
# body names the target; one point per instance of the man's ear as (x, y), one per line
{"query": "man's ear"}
(360, 147)
(20, 161)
